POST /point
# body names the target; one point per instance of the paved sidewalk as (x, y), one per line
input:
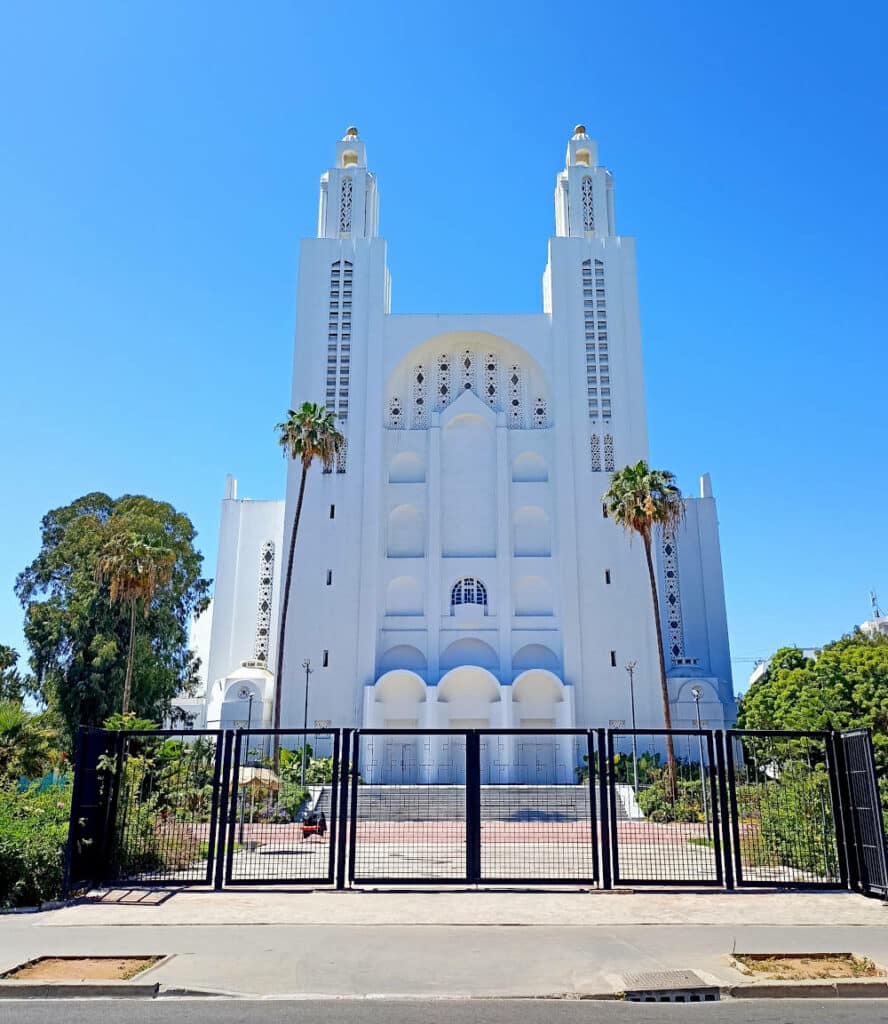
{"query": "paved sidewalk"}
(443, 943)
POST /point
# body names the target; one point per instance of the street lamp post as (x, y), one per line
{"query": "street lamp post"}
(630, 668)
(308, 670)
(697, 693)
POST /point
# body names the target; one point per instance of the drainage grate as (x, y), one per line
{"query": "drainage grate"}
(668, 987)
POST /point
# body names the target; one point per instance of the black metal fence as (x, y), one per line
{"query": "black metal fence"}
(541, 806)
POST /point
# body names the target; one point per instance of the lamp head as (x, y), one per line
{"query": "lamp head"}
(696, 692)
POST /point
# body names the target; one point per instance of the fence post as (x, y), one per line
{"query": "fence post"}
(473, 806)
(353, 806)
(724, 808)
(838, 787)
(74, 816)
(112, 803)
(593, 810)
(223, 817)
(604, 803)
(342, 823)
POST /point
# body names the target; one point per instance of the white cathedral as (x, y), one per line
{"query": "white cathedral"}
(456, 568)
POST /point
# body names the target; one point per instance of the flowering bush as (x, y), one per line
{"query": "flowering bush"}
(33, 833)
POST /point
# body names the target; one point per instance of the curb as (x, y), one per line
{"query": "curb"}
(851, 988)
(78, 990)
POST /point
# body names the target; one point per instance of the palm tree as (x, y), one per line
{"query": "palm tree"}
(306, 434)
(134, 567)
(640, 498)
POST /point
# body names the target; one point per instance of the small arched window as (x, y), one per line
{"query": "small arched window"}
(468, 590)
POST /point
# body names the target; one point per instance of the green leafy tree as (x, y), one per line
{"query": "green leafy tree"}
(640, 499)
(844, 687)
(78, 637)
(135, 565)
(11, 683)
(307, 434)
(29, 744)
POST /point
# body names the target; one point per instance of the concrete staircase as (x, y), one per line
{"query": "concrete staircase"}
(498, 803)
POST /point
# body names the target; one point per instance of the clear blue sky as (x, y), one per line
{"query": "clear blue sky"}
(159, 163)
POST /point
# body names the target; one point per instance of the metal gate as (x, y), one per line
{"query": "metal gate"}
(664, 830)
(868, 862)
(411, 833)
(282, 825)
(785, 810)
(164, 791)
(492, 806)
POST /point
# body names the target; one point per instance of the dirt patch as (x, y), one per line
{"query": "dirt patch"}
(82, 968)
(807, 966)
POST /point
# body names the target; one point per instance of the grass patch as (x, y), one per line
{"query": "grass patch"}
(702, 841)
(806, 966)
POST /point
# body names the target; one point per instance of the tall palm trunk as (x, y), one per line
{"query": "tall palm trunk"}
(664, 686)
(128, 682)
(282, 626)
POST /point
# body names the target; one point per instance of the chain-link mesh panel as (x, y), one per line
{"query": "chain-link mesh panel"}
(537, 816)
(784, 825)
(664, 819)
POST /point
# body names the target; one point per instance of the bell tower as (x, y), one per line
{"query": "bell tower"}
(584, 192)
(349, 204)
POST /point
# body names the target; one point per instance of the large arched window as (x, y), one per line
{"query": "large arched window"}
(468, 590)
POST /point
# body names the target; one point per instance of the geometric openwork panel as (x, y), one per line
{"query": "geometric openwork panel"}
(395, 418)
(420, 397)
(444, 391)
(263, 609)
(345, 206)
(675, 642)
(516, 397)
(588, 212)
(595, 452)
(609, 453)
(491, 379)
(436, 384)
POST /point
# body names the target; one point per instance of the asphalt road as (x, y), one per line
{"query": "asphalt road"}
(479, 1011)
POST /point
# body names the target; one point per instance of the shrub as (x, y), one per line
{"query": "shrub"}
(33, 833)
(656, 803)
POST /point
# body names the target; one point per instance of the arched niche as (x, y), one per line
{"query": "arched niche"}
(533, 596)
(407, 468)
(469, 651)
(468, 466)
(399, 686)
(403, 596)
(535, 656)
(538, 686)
(530, 532)
(529, 468)
(402, 656)
(406, 532)
(469, 683)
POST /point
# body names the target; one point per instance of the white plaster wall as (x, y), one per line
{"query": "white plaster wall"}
(246, 525)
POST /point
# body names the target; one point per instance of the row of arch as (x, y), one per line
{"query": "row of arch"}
(410, 468)
(469, 682)
(531, 533)
(531, 595)
(468, 651)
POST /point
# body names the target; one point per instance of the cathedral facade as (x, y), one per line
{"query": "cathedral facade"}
(456, 568)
